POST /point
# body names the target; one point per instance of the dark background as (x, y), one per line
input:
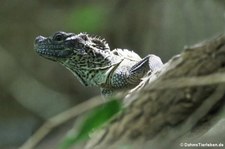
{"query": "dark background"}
(33, 89)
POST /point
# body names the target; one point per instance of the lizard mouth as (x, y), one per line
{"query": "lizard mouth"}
(53, 54)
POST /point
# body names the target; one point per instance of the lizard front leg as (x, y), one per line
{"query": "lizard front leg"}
(149, 63)
(125, 76)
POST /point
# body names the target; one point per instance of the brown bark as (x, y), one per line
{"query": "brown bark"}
(185, 95)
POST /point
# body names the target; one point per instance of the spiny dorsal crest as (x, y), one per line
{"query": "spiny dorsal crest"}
(95, 41)
(127, 54)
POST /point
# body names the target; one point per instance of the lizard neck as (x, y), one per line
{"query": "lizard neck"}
(93, 73)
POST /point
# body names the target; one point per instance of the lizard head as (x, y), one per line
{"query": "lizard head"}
(62, 46)
(84, 55)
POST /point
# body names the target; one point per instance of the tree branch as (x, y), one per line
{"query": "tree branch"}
(185, 94)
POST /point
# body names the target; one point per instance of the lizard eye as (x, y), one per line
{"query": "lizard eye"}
(58, 37)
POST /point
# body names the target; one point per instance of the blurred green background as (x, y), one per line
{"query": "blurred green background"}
(32, 89)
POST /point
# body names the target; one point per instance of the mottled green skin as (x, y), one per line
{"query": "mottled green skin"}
(93, 63)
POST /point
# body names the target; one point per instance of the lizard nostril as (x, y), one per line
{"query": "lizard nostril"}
(39, 39)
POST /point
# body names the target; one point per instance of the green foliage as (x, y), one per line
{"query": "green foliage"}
(88, 18)
(97, 118)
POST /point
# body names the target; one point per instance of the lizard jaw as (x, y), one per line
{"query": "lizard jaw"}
(54, 54)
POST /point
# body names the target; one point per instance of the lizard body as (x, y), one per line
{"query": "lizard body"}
(93, 63)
